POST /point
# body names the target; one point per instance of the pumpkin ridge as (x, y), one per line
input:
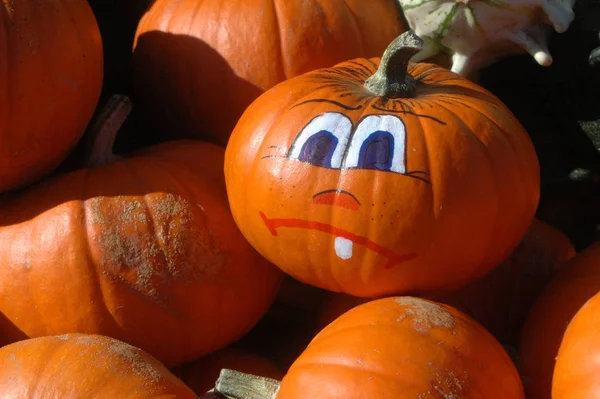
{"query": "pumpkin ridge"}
(277, 20)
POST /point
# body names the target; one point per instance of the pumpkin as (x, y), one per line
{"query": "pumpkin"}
(377, 177)
(502, 298)
(84, 366)
(199, 63)
(478, 33)
(576, 372)
(397, 347)
(545, 326)
(202, 374)
(50, 80)
(143, 249)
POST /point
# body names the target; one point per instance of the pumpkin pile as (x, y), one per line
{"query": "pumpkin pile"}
(271, 200)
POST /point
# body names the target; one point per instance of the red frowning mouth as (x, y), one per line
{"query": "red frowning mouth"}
(393, 258)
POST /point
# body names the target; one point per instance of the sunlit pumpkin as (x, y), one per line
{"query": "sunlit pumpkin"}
(51, 67)
(543, 331)
(577, 368)
(143, 249)
(199, 63)
(400, 348)
(81, 366)
(369, 179)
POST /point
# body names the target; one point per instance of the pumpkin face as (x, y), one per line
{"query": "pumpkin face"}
(370, 195)
(541, 336)
(84, 366)
(50, 79)
(404, 348)
(213, 46)
(144, 250)
(576, 371)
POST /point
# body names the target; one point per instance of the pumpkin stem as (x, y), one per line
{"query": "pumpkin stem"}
(237, 385)
(104, 131)
(392, 79)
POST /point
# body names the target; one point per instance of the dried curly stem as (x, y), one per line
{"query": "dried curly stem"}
(392, 79)
(237, 385)
(104, 131)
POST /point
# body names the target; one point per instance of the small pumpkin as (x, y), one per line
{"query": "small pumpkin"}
(199, 63)
(576, 372)
(82, 366)
(200, 375)
(545, 326)
(50, 80)
(398, 347)
(143, 249)
(377, 177)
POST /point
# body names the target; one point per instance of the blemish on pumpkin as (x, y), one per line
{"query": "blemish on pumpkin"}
(446, 384)
(137, 363)
(154, 242)
(425, 315)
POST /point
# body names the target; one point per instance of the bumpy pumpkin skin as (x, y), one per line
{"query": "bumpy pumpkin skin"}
(82, 366)
(200, 63)
(202, 374)
(144, 250)
(402, 348)
(545, 326)
(50, 79)
(576, 371)
(453, 200)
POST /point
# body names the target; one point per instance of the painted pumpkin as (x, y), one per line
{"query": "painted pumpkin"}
(374, 181)
(478, 33)
(143, 249)
(199, 63)
(202, 374)
(401, 348)
(50, 80)
(576, 372)
(543, 331)
(81, 366)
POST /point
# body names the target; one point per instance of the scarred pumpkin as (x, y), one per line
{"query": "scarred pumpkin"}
(199, 63)
(370, 179)
(398, 347)
(143, 249)
(81, 366)
(51, 67)
(543, 331)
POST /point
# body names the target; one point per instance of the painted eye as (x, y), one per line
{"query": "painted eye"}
(323, 141)
(379, 142)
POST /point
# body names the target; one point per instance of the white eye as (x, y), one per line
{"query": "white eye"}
(323, 141)
(379, 142)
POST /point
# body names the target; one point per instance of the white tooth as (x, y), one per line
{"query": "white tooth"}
(343, 247)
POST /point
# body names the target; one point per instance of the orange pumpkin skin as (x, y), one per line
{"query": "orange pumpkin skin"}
(545, 326)
(462, 192)
(202, 374)
(402, 348)
(84, 366)
(51, 77)
(144, 250)
(216, 47)
(577, 368)
(501, 300)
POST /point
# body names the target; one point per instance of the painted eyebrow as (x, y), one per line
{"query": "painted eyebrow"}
(322, 100)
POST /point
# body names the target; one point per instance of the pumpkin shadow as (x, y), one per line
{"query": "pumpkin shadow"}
(176, 95)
